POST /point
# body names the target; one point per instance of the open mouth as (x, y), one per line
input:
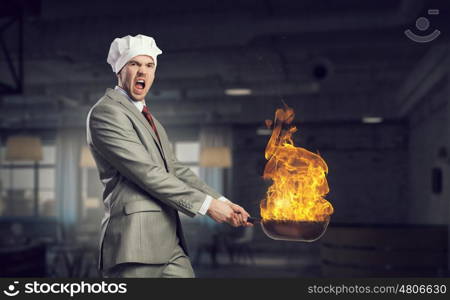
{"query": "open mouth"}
(140, 84)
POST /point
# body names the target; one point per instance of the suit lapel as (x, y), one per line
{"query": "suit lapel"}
(164, 141)
(118, 96)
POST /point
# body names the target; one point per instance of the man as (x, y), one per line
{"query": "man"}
(145, 185)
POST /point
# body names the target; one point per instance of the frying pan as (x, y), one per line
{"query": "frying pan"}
(299, 231)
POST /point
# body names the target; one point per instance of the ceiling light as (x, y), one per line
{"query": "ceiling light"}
(23, 148)
(219, 157)
(263, 131)
(86, 159)
(372, 120)
(238, 92)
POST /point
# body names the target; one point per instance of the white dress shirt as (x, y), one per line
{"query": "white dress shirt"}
(140, 106)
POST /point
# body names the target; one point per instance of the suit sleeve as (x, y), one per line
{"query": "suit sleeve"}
(113, 136)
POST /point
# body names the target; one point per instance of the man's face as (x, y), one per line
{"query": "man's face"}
(136, 77)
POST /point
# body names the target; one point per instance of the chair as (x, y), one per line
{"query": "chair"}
(238, 248)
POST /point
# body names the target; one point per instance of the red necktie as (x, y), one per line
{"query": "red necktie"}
(149, 118)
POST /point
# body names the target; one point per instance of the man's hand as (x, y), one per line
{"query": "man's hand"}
(221, 212)
(242, 214)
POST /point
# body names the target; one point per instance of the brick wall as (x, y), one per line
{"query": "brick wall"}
(429, 133)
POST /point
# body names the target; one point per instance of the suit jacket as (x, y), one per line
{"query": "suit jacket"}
(144, 185)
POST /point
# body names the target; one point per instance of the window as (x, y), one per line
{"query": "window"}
(188, 154)
(27, 188)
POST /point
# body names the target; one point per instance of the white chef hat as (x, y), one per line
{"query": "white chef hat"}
(125, 48)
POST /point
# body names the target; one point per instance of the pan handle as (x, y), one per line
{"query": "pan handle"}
(253, 220)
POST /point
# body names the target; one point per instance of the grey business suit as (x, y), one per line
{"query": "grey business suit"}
(145, 185)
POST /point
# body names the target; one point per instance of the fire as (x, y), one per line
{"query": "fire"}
(298, 176)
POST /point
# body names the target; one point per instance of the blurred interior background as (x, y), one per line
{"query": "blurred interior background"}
(373, 101)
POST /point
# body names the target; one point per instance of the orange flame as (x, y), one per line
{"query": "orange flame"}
(298, 176)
